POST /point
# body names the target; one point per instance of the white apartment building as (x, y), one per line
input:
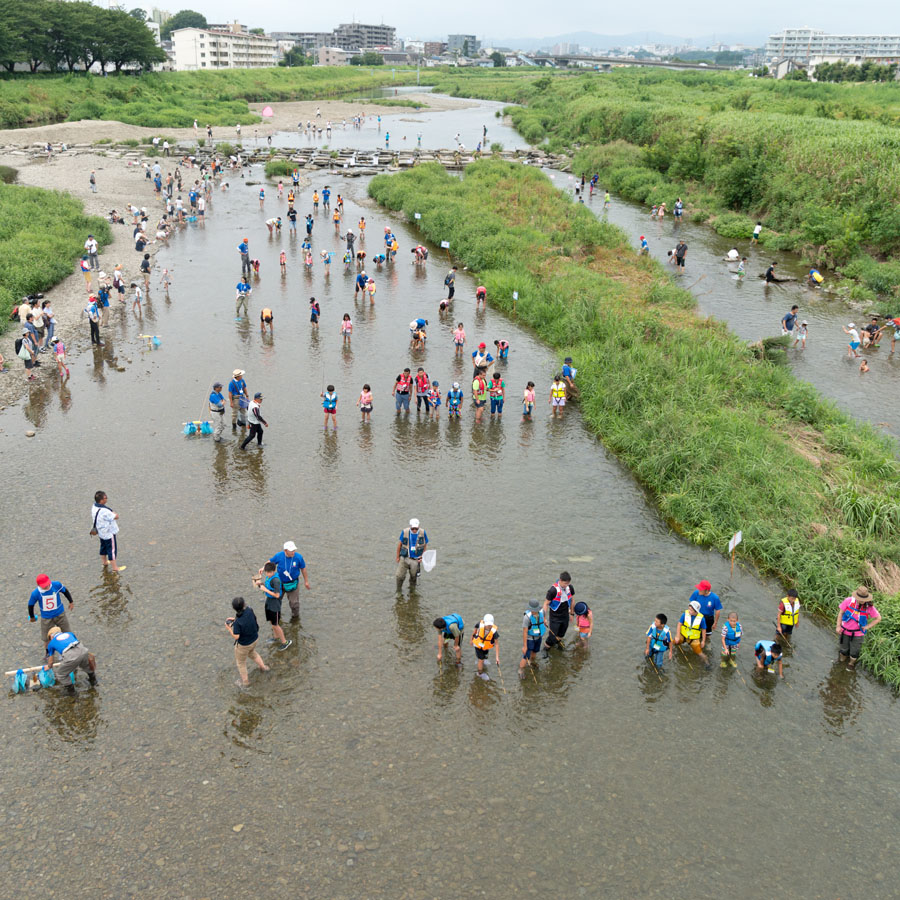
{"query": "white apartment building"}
(232, 47)
(802, 44)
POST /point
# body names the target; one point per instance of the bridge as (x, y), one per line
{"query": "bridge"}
(607, 62)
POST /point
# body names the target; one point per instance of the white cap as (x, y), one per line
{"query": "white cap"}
(488, 619)
(413, 523)
(290, 545)
(850, 325)
(695, 605)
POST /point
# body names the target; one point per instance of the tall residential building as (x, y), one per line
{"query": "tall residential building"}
(308, 41)
(212, 48)
(356, 36)
(801, 44)
(466, 44)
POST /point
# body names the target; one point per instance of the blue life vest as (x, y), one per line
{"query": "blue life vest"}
(452, 619)
(537, 628)
(766, 647)
(733, 635)
(330, 402)
(854, 613)
(454, 398)
(269, 585)
(659, 639)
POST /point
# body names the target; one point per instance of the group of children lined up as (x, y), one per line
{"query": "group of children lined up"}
(699, 622)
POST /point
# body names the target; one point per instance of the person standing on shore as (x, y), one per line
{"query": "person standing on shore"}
(856, 615)
(106, 527)
(93, 181)
(558, 608)
(92, 250)
(244, 629)
(411, 545)
(48, 594)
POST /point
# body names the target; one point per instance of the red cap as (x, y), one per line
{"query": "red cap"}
(43, 581)
(704, 586)
(481, 345)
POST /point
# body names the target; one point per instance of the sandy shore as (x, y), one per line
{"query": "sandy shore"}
(286, 117)
(117, 185)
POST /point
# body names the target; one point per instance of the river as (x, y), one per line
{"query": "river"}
(358, 768)
(753, 310)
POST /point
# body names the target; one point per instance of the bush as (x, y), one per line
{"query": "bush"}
(41, 234)
(279, 168)
(734, 226)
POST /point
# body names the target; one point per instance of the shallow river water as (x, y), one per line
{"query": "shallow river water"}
(358, 768)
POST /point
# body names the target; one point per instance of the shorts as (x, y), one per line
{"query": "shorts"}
(29, 363)
(314, 317)
(496, 405)
(365, 409)
(121, 288)
(533, 647)
(679, 261)
(854, 345)
(481, 654)
(583, 634)
(787, 629)
(266, 319)
(273, 616)
(559, 401)
(710, 620)
(109, 547)
(478, 403)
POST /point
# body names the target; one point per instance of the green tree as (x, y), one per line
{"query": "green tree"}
(499, 59)
(296, 57)
(128, 42)
(369, 58)
(257, 31)
(184, 18)
(138, 13)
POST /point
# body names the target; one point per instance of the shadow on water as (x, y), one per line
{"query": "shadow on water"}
(74, 717)
(841, 697)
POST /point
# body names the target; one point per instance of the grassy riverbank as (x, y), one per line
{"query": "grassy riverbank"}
(42, 233)
(175, 99)
(815, 162)
(722, 440)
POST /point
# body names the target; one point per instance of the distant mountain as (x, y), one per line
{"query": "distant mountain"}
(608, 41)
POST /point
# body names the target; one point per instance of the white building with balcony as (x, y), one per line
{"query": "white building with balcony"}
(803, 44)
(231, 47)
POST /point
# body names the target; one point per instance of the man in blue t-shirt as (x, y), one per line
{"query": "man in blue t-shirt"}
(72, 654)
(217, 410)
(361, 281)
(710, 604)
(48, 594)
(237, 392)
(290, 567)
(244, 250)
(242, 293)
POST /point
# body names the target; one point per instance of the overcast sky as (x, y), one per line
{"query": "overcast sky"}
(530, 18)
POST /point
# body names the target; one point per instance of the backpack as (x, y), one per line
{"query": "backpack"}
(447, 280)
(18, 345)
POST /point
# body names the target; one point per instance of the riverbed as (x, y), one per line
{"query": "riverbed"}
(359, 767)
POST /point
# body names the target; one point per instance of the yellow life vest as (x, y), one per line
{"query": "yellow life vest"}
(266, 313)
(559, 389)
(791, 614)
(692, 625)
(484, 636)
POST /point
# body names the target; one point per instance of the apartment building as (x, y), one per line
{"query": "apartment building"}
(222, 47)
(463, 44)
(803, 44)
(356, 36)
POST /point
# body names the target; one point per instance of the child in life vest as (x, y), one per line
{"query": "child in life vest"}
(659, 639)
(731, 640)
(788, 614)
(434, 399)
(459, 338)
(329, 404)
(346, 328)
(282, 261)
(502, 349)
(365, 403)
(59, 350)
(528, 401)
(584, 620)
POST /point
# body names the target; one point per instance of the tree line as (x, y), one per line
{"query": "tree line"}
(57, 35)
(867, 71)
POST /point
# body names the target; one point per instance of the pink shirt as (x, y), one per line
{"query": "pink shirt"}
(851, 626)
(346, 326)
(459, 335)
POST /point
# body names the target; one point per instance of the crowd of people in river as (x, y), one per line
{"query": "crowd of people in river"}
(544, 625)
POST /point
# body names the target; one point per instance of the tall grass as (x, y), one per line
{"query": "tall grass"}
(723, 440)
(41, 234)
(175, 99)
(815, 162)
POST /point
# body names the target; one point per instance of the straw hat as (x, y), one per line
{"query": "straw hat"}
(862, 594)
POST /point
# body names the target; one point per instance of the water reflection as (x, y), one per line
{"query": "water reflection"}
(73, 713)
(110, 598)
(841, 699)
(411, 624)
